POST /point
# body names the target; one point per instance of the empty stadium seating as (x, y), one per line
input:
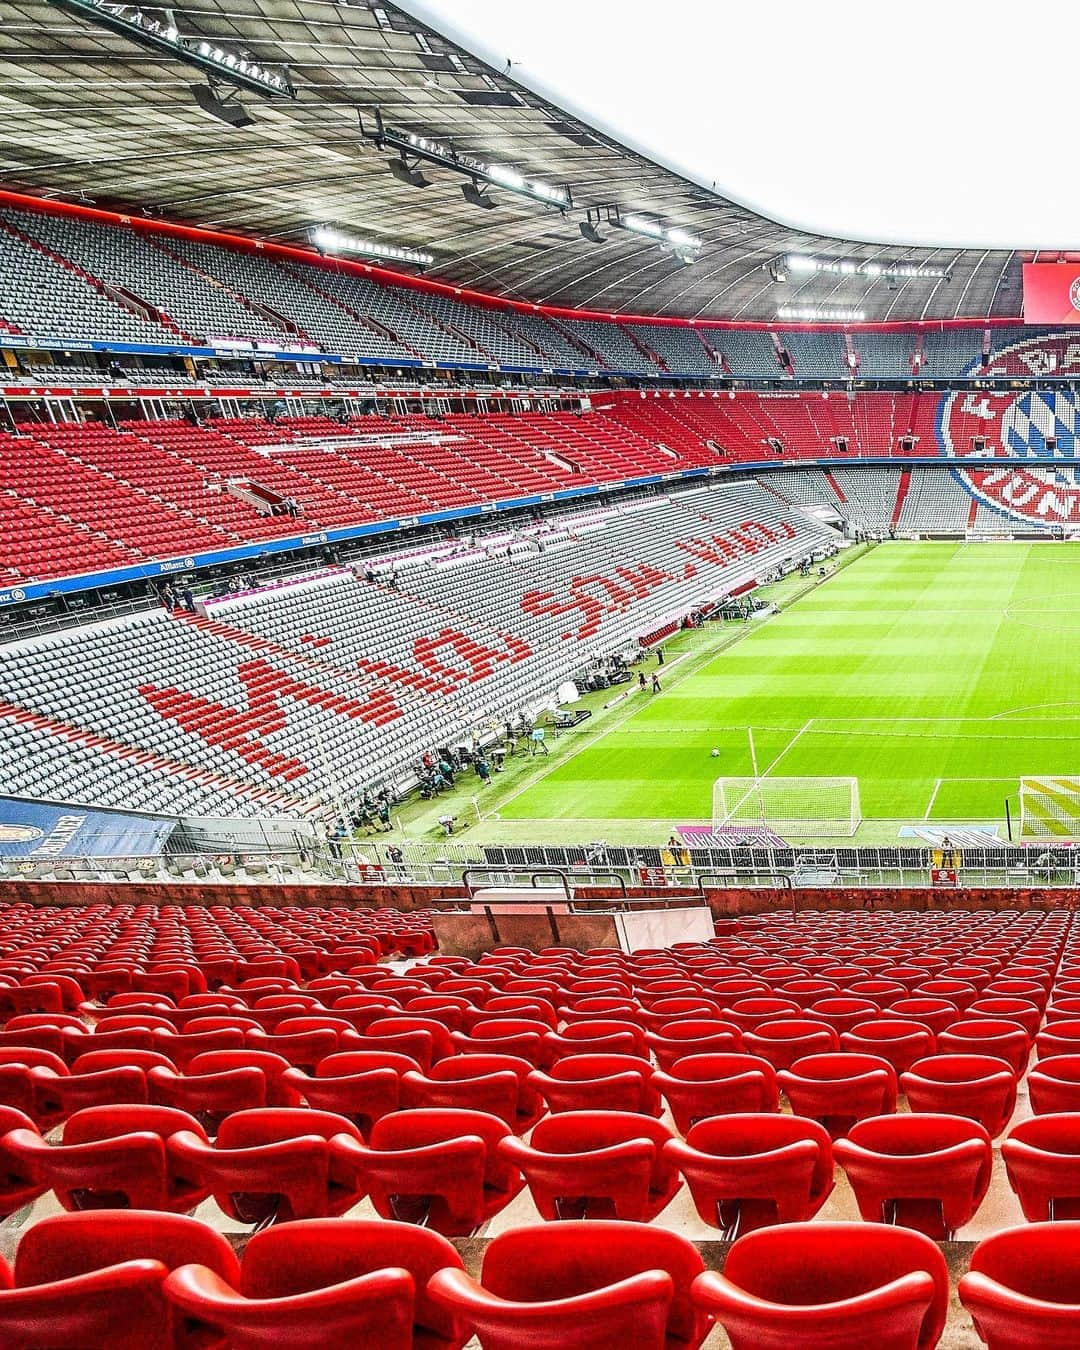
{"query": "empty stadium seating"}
(373, 1169)
(260, 705)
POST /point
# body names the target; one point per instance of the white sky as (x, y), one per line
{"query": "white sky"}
(922, 123)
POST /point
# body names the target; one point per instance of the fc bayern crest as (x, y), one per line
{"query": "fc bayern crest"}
(1032, 433)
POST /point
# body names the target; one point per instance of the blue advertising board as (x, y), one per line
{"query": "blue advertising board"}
(42, 830)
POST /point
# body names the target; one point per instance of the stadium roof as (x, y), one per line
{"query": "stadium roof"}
(90, 114)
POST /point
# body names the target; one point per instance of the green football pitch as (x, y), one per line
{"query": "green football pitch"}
(937, 674)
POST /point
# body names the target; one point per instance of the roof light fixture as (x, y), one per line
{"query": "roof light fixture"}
(821, 313)
(803, 265)
(414, 149)
(163, 36)
(327, 240)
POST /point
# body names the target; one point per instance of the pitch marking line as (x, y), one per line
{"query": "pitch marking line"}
(933, 798)
(790, 745)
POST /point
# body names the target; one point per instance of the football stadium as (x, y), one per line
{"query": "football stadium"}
(539, 703)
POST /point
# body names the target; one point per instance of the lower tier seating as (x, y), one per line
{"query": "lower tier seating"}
(227, 1125)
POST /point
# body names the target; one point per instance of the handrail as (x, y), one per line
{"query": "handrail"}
(781, 880)
(467, 874)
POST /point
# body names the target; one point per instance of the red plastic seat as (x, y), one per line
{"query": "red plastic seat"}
(843, 1013)
(271, 1165)
(361, 1085)
(580, 1286)
(976, 1086)
(111, 1157)
(515, 1036)
(746, 1171)
(302, 1049)
(829, 1286)
(595, 1037)
(700, 1086)
(57, 1096)
(17, 1187)
(96, 1280)
(209, 1097)
(785, 1040)
(896, 1039)
(438, 1166)
(1011, 1009)
(1054, 1084)
(596, 1164)
(988, 1036)
(692, 1036)
(325, 1283)
(1042, 1160)
(933, 1013)
(1058, 1038)
(279, 1092)
(598, 1083)
(1023, 1288)
(497, 1084)
(750, 1013)
(839, 1089)
(926, 1172)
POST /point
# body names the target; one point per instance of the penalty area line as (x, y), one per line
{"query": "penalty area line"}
(933, 798)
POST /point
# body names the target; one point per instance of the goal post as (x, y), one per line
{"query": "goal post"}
(1050, 808)
(795, 807)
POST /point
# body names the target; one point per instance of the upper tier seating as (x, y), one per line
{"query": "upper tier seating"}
(147, 267)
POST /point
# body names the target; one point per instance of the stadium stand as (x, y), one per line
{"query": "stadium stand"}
(822, 353)
(135, 1211)
(369, 677)
(884, 355)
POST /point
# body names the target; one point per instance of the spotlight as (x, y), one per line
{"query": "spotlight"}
(590, 232)
(404, 172)
(229, 111)
(475, 197)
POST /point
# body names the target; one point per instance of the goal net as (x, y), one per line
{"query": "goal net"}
(797, 807)
(1050, 807)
